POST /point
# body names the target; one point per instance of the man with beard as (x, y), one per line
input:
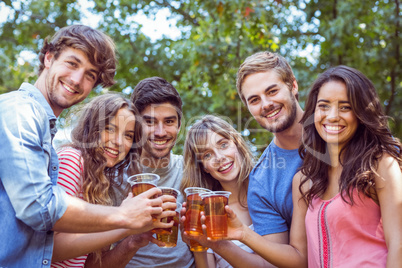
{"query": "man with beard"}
(160, 107)
(75, 60)
(267, 86)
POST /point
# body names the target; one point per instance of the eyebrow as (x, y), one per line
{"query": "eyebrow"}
(323, 100)
(265, 91)
(173, 117)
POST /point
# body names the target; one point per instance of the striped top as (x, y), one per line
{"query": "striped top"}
(341, 235)
(70, 169)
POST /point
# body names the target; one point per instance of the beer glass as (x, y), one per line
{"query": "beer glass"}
(216, 218)
(142, 182)
(175, 193)
(197, 247)
(170, 239)
(192, 224)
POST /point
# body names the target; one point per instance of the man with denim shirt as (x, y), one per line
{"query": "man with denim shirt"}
(76, 59)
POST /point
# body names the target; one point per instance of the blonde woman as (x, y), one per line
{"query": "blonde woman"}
(218, 158)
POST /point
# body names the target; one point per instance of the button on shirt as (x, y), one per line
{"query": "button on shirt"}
(30, 201)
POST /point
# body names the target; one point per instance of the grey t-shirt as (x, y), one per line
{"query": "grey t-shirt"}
(152, 255)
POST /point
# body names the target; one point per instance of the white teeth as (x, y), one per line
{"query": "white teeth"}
(115, 152)
(160, 142)
(333, 128)
(68, 88)
(225, 167)
(274, 113)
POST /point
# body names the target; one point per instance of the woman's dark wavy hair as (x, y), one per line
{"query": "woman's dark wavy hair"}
(99, 180)
(362, 153)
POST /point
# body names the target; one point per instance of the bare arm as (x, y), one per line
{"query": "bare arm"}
(234, 255)
(71, 245)
(122, 253)
(274, 248)
(389, 192)
(134, 213)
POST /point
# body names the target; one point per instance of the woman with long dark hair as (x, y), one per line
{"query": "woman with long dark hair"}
(106, 144)
(347, 196)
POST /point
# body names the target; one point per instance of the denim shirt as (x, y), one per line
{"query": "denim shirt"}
(30, 201)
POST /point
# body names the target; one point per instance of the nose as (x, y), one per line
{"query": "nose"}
(117, 139)
(333, 114)
(219, 156)
(77, 76)
(266, 103)
(159, 130)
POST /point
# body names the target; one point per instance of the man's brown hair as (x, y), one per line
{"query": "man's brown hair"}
(263, 62)
(97, 46)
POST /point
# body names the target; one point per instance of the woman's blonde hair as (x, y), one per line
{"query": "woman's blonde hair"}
(194, 173)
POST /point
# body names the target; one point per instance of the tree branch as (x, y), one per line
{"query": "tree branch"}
(186, 16)
(393, 71)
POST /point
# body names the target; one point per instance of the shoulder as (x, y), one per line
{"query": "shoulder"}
(69, 154)
(298, 179)
(177, 161)
(66, 151)
(388, 170)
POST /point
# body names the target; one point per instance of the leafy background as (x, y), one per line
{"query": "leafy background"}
(215, 37)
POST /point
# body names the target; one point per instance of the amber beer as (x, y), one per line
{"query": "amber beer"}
(192, 225)
(216, 218)
(141, 187)
(197, 247)
(175, 193)
(142, 182)
(170, 239)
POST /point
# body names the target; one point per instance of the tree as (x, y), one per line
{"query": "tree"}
(216, 38)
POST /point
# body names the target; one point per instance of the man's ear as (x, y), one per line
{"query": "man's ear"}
(295, 87)
(48, 59)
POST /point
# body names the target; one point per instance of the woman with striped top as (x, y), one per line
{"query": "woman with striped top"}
(104, 143)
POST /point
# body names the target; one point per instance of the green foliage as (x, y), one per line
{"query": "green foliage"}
(216, 38)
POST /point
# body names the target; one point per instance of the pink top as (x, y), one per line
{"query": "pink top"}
(341, 235)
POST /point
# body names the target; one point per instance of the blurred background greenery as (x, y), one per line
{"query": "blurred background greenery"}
(198, 46)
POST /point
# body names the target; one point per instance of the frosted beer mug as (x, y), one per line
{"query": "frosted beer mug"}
(170, 239)
(167, 191)
(216, 218)
(143, 182)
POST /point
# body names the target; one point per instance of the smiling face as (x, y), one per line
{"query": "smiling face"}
(270, 101)
(220, 158)
(68, 79)
(161, 128)
(117, 137)
(334, 119)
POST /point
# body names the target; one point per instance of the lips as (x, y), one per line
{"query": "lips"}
(160, 142)
(111, 152)
(273, 113)
(68, 88)
(333, 128)
(225, 167)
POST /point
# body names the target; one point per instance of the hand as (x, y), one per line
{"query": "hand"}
(235, 226)
(137, 241)
(137, 212)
